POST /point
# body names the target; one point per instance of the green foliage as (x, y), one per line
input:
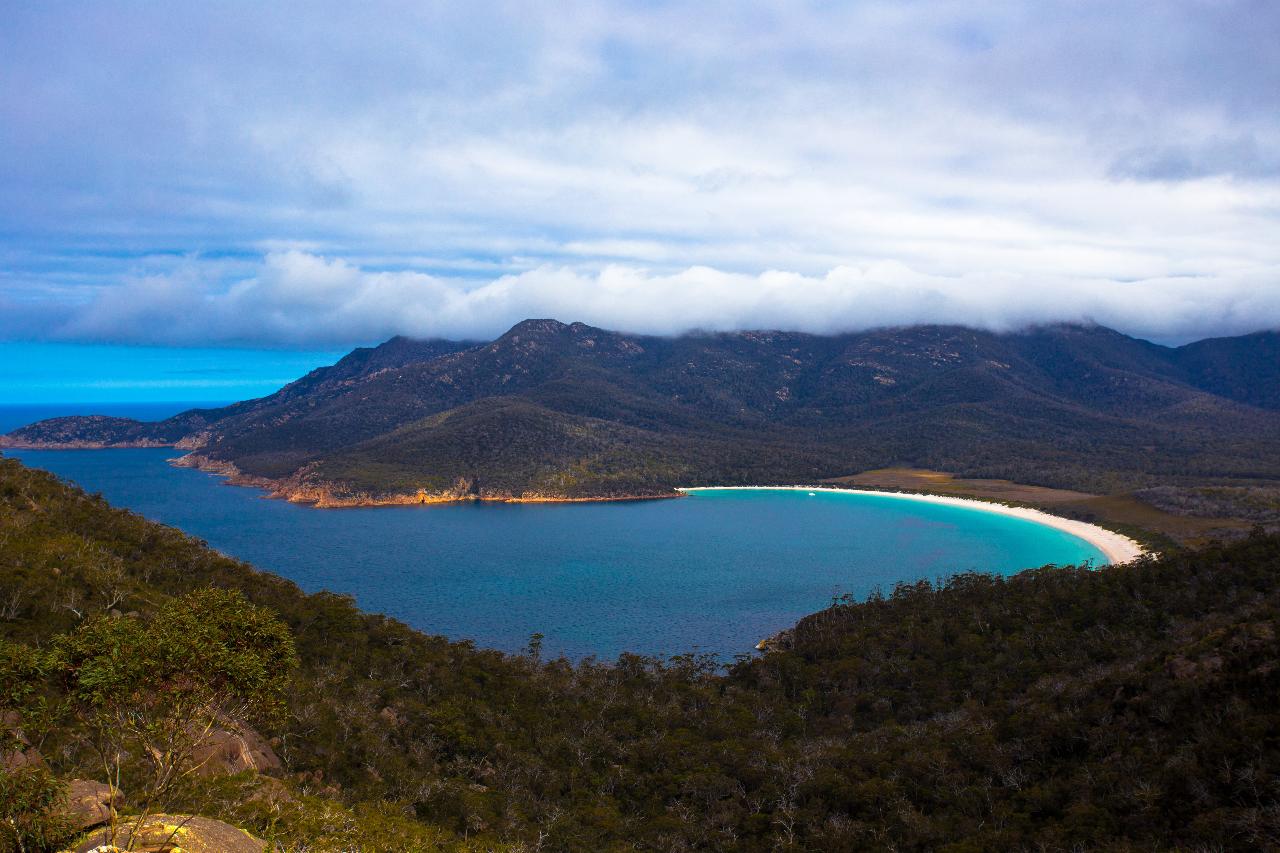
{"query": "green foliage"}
(149, 693)
(31, 811)
(307, 822)
(22, 670)
(205, 649)
(1130, 708)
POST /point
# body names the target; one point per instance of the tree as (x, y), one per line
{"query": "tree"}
(152, 693)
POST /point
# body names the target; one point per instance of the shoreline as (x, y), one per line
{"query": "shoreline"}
(1116, 547)
(321, 496)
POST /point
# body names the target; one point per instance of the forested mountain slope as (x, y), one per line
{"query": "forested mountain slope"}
(571, 411)
(1245, 368)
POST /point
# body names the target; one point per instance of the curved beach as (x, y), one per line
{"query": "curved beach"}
(1116, 547)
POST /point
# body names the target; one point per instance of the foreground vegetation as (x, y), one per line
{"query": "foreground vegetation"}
(1131, 708)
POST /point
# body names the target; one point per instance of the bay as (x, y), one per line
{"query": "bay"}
(712, 572)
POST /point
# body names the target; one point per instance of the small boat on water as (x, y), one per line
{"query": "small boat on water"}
(811, 494)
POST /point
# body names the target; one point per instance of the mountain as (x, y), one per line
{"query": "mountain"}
(1245, 368)
(567, 411)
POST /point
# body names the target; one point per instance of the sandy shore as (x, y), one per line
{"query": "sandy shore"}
(1114, 546)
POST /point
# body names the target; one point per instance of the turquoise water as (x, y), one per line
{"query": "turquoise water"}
(713, 572)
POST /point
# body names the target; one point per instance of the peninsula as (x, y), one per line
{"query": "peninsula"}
(555, 412)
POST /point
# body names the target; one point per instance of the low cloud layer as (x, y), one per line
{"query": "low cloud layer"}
(296, 298)
(331, 173)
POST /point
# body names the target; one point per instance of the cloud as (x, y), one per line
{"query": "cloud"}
(301, 299)
(489, 156)
(1241, 157)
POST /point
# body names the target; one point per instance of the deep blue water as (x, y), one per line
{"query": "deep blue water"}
(714, 572)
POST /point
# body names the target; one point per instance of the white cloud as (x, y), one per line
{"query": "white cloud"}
(409, 167)
(303, 299)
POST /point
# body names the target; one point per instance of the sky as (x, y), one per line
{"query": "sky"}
(310, 176)
(42, 376)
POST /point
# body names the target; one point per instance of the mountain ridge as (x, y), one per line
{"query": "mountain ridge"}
(558, 411)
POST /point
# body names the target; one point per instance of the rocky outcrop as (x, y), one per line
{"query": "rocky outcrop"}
(15, 750)
(91, 804)
(227, 751)
(165, 833)
(14, 759)
(780, 641)
(271, 793)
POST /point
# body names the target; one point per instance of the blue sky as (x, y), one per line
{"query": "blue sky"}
(314, 175)
(43, 373)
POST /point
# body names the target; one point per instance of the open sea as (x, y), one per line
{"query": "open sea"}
(713, 572)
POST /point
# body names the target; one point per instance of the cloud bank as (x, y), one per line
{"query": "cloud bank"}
(329, 173)
(297, 298)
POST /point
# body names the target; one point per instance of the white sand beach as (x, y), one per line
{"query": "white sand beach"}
(1116, 547)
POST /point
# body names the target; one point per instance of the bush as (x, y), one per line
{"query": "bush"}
(31, 811)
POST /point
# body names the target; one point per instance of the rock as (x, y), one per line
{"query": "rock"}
(164, 833)
(15, 750)
(91, 804)
(271, 792)
(1181, 668)
(780, 641)
(17, 758)
(229, 752)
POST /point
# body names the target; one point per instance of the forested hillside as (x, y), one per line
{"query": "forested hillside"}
(550, 410)
(1129, 708)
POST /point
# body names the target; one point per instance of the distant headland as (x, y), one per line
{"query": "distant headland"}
(567, 412)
